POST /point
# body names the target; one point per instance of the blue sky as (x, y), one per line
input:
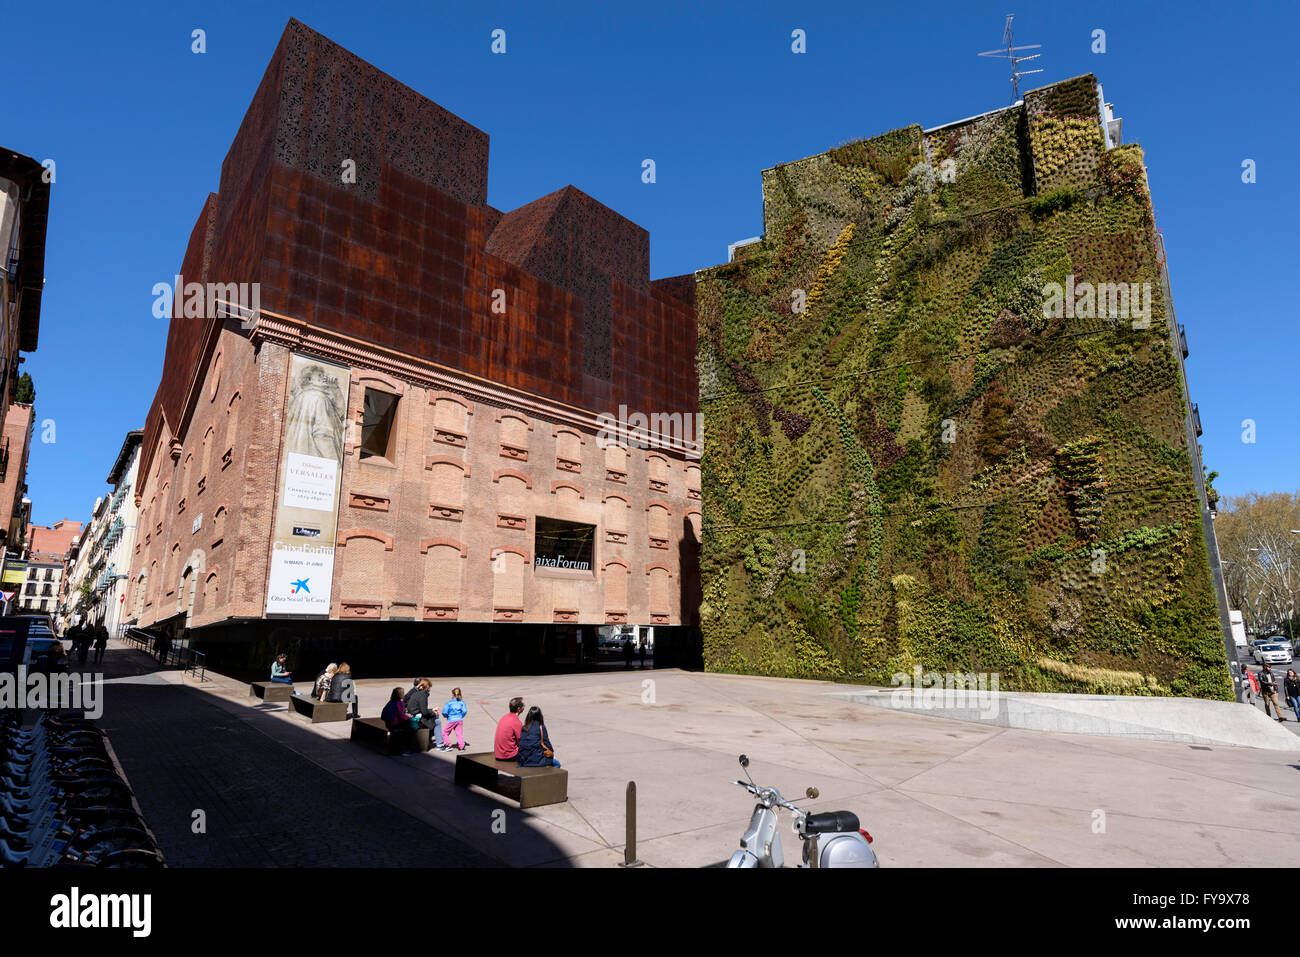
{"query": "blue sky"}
(138, 125)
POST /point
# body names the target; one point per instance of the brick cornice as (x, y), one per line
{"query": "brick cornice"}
(428, 543)
(556, 486)
(513, 473)
(435, 395)
(300, 336)
(431, 460)
(351, 533)
(650, 568)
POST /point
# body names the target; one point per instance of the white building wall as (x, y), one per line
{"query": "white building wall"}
(120, 555)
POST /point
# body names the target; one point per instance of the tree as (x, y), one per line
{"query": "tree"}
(1259, 547)
(25, 390)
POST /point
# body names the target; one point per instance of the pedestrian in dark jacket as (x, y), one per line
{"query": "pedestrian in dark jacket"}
(535, 749)
(101, 644)
(1268, 691)
(417, 702)
(1291, 688)
(342, 688)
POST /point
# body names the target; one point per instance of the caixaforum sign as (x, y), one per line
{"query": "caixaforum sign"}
(299, 581)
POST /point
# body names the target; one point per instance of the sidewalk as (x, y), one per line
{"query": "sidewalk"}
(932, 791)
(260, 804)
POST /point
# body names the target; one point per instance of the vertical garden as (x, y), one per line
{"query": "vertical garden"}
(909, 460)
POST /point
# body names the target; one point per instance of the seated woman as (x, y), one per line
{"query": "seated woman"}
(397, 720)
(417, 703)
(323, 681)
(535, 749)
(343, 688)
(280, 674)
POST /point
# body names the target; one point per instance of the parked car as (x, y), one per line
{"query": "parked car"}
(1273, 653)
(46, 655)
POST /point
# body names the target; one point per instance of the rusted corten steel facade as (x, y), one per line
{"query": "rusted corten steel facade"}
(393, 276)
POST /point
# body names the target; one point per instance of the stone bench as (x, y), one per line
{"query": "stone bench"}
(270, 690)
(319, 711)
(373, 733)
(531, 787)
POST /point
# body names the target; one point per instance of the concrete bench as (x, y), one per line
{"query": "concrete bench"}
(531, 787)
(319, 711)
(373, 733)
(270, 690)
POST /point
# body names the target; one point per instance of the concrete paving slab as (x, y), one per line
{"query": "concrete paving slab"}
(1188, 720)
(933, 791)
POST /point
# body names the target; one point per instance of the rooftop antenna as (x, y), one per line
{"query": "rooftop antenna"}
(1009, 53)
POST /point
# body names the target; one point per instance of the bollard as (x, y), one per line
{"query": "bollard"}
(629, 849)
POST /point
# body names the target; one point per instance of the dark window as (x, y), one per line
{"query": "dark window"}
(377, 424)
(560, 544)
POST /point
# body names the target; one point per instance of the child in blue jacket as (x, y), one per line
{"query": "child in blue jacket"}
(454, 711)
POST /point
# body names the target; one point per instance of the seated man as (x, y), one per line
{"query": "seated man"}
(280, 674)
(506, 743)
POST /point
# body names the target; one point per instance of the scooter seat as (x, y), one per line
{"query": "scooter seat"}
(832, 822)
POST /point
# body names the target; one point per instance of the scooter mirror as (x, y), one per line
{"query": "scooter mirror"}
(744, 761)
(813, 793)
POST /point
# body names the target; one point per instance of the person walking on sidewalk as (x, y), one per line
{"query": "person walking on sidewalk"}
(1268, 691)
(101, 644)
(454, 712)
(1291, 688)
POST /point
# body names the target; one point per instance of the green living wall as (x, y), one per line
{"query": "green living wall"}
(909, 461)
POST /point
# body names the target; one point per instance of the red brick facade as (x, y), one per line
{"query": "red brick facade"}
(396, 276)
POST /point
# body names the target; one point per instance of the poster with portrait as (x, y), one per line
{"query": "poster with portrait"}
(311, 470)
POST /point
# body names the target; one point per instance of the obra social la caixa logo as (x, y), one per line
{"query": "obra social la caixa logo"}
(78, 911)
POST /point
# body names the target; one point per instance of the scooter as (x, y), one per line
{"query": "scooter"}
(831, 839)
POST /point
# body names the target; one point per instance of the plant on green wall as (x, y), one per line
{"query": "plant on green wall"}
(973, 482)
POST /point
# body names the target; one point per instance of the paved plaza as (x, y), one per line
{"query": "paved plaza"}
(932, 791)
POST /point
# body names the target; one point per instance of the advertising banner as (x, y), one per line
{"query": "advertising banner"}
(306, 515)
